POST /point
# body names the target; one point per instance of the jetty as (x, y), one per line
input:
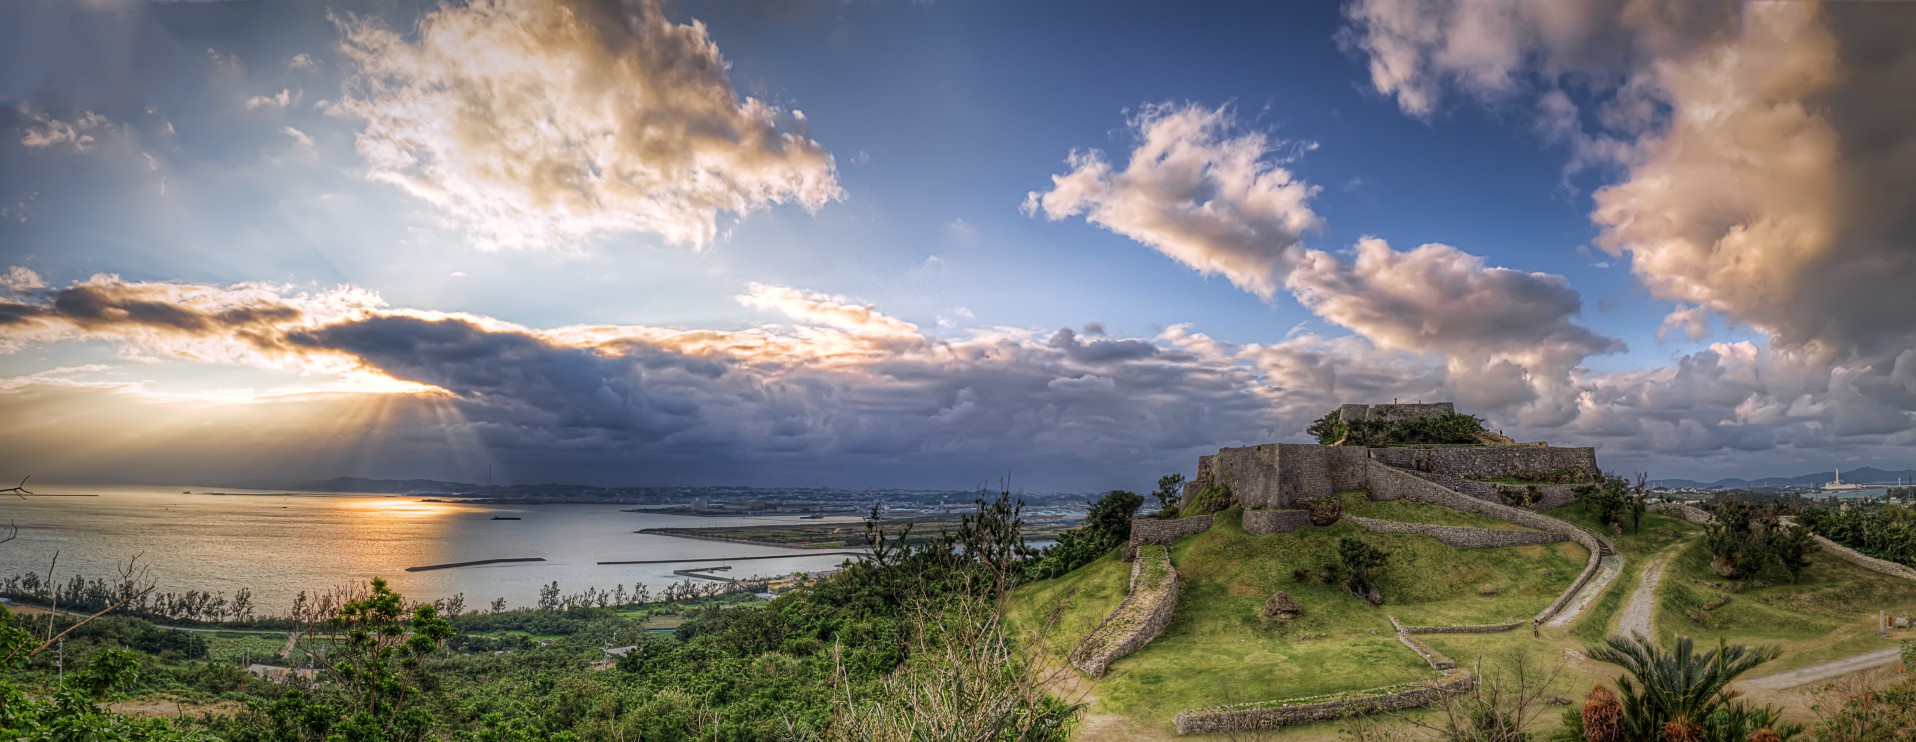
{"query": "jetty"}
(476, 563)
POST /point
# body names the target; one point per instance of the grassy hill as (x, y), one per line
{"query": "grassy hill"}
(1217, 651)
(1831, 613)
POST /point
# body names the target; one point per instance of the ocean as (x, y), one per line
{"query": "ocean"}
(278, 545)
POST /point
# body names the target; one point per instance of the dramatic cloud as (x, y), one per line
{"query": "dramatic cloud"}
(539, 123)
(1767, 152)
(1508, 335)
(1199, 189)
(1216, 201)
(844, 385)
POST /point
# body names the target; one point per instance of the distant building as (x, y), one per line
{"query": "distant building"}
(1839, 486)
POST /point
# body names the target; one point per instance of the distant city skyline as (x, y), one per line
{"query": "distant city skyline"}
(932, 244)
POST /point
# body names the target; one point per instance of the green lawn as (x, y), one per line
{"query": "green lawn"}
(1216, 650)
(1419, 512)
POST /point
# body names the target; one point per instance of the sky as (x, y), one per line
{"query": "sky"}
(935, 244)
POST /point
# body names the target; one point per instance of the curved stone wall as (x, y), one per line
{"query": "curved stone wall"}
(1458, 536)
(1273, 714)
(1267, 522)
(1146, 610)
(1390, 483)
(1864, 560)
(1681, 511)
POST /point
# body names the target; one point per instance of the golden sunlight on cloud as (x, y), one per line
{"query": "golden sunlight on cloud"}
(541, 123)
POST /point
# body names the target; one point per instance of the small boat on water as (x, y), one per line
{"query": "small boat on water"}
(505, 517)
(813, 516)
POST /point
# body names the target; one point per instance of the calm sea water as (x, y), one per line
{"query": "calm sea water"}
(278, 545)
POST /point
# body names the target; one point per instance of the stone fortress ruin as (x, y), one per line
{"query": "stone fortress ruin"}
(1283, 475)
(1272, 484)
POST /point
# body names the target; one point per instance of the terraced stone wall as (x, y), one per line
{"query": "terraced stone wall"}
(1250, 716)
(1548, 495)
(1267, 522)
(1458, 536)
(1162, 532)
(1536, 463)
(1390, 483)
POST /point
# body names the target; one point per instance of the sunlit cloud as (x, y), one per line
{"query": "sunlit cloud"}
(543, 123)
(1199, 188)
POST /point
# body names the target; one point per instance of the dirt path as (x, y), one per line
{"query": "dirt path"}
(1643, 602)
(1825, 671)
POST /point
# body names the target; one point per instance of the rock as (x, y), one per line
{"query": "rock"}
(1282, 605)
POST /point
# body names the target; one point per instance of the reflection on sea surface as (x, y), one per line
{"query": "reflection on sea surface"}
(278, 544)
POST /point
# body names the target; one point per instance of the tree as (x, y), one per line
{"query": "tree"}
(1682, 694)
(1361, 566)
(1107, 524)
(1792, 546)
(1170, 490)
(1610, 501)
(1329, 429)
(1638, 495)
(1739, 539)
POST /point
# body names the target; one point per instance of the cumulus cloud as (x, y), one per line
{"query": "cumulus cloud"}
(540, 123)
(1765, 152)
(1198, 190)
(21, 278)
(1197, 187)
(1508, 336)
(281, 99)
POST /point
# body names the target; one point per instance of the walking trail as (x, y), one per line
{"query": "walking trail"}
(1825, 671)
(1637, 612)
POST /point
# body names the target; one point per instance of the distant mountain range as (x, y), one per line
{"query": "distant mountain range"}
(1864, 475)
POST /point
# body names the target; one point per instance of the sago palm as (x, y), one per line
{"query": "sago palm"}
(1675, 692)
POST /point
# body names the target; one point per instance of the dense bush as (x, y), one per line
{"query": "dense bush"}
(1107, 525)
(1888, 532)
(1452, 429)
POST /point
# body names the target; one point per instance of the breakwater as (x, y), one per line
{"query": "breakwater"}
(737, 559)
(474, 563)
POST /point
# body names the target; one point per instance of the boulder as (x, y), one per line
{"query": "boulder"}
(1282, 605)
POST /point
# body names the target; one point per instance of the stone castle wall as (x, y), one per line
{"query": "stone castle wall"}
(1394, 412)
(1162, 532)
(1267, 522)
(1458, 536)
(1281, 475)
(1536, 463)
(1142, 616)
(1249, 716)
